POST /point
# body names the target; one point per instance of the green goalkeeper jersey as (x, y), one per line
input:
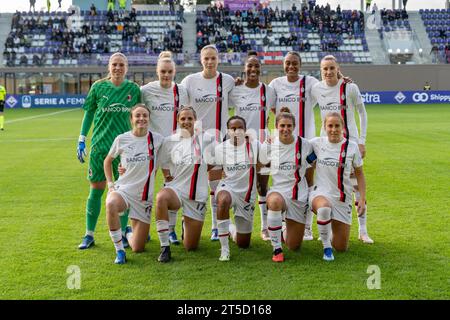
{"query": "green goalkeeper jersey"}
(111, 106)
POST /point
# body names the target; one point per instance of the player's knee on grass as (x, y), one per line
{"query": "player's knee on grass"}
(223, 205)
(275, 202)
(243, 240)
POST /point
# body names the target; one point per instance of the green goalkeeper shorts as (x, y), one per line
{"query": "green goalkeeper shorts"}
(95, 170)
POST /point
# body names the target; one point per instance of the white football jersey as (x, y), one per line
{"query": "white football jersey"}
(239, 166)
(161, 103)
(288, 95)
(184, 158)
(138, 155)
(253, 104)
(332, 99)
(288, 164)
(209, 98)
(333, 167)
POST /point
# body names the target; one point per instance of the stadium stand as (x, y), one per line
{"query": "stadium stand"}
(314, 32)
(437, 24)
(57, 38)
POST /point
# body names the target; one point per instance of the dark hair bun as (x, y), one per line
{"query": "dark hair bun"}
(285, 109)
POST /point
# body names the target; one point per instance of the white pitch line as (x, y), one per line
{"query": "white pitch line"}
(40, 140)
(40, 116)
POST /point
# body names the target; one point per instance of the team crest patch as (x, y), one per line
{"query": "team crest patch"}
(298, 155)
(150, 145)
(219, 88)
(343, 154)
(343, 97)
(263, 98)
(90, 172)
(129, 97)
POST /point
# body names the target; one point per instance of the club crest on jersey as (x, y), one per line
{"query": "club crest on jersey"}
(343, 154)
(343, 97)
(263, 98)
(129, 97)
(176, 97)
(298, 155)
(219, 88)
(150, 145)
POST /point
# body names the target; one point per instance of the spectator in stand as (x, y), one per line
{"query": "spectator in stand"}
(48, 5)
(33, 5)
(181, 13)
(93, 10)
(122, 4)
(111, 5)
(404, 4)
(59, 3)
(434, 54)
(171, 5)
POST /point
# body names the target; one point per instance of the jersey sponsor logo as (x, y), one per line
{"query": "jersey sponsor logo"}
(139, 157)
(289, 98)
(420, 97)
(400, 97)
(287, 166)
(252, 107)
(163, 107)
(330, 162)
(239, 166)
(332, 106)
(207, 98)
(105, 97)
(116, 107)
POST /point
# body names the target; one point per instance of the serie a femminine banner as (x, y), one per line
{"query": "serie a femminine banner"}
(372, 97)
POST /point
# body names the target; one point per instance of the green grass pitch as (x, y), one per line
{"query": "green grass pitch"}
(44, 188)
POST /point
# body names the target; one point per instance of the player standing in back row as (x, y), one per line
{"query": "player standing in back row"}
(164, 98)
(253, 101)
(208, 94)
(294, 92)
(334, 95)
(108, 106)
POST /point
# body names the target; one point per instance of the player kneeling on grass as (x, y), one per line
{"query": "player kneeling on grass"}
(238, 157)
(331, 197)
(138, 150)
(186, 184)
(290, 157)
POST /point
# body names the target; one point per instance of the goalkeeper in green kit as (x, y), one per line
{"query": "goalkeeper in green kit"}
(108, 106)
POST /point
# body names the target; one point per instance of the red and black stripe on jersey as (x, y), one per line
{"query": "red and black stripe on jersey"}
(298, 162)
(262, 113)
(301, 108)
(341, 169)
(219, 90)
(176, 106)
(343, 101)
(251, 178)
(151, 165)
(194, 177)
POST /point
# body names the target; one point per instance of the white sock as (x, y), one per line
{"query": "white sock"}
(172, 220)
(309, 219)
(162, 226)
(274, 222)
(213, 186)
(116, 237)
(263, 211)
(324, 225)
(129, 235)
(224, 227)
(362, 223)
(90, 233)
